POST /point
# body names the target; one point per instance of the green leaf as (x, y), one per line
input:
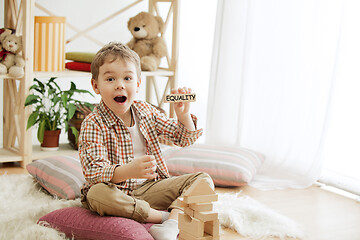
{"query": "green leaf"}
(76, 133)
(52, 91)
(73, 86)
(41, 85)
(66, 126)
(71, 111)
(83, 91)
(55, 100)
(52, 81)
(32, 99)
(35, 87)
(32, 119)
(64, 99)
(41, 130)
(55, 124)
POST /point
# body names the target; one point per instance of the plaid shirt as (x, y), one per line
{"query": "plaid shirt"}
(105, 142)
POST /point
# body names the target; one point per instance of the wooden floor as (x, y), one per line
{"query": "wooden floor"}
(323, 215)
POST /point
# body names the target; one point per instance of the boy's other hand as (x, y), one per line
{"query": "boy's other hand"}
(143, 167)
(181, 108)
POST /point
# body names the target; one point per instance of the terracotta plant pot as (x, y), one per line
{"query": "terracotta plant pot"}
(51, 140)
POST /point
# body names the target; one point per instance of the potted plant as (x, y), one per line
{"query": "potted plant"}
(52, 110)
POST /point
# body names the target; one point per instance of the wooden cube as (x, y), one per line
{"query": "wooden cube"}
(201, 207)
(187, 236)
(180, 202)
(212, 228)
(188, 211)
(200, 198)
(206, 216)
(191, 225)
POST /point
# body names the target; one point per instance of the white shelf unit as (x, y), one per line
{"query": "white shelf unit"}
(17, 141)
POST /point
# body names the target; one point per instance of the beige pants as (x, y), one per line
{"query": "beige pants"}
(161, 195)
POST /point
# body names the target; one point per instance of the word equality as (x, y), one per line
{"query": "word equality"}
(171, 98)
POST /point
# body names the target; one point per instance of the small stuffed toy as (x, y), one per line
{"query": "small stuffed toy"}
(11, 60)
(150, 47)
(3, 33)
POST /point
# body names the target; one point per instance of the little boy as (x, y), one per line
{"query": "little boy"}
(119, 149)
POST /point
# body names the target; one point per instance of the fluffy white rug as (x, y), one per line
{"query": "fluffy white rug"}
(23, 202)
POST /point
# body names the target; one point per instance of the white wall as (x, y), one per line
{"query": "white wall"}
(197, 20)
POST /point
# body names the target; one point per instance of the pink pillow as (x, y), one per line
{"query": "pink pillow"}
(227, 166)
(80, 223)
(60, 175)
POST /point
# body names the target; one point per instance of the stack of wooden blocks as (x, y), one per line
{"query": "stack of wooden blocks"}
(199, 221)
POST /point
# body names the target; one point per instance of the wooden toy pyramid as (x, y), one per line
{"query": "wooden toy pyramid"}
(199, 221)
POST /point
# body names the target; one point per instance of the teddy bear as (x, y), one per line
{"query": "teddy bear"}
(3, 33)
(11, 60)
(145, 28)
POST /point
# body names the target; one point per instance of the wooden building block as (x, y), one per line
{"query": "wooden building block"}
(206, 216)
(180, 202)
(200, 199)
(199, 187)
(187, 236)
(191, 225)
(188, 97)
(212, 228)
(189, 211)
(201, 207)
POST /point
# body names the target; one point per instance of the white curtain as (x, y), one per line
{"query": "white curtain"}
(341, 150)
(271, 83)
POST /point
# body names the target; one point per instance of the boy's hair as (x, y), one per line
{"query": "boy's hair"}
(111, 52)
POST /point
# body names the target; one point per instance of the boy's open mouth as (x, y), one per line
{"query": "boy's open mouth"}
(120, 99)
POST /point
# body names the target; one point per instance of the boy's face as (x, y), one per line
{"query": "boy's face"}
(117, 84)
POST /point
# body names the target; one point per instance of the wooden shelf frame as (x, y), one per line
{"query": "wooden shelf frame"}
(17, 141)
